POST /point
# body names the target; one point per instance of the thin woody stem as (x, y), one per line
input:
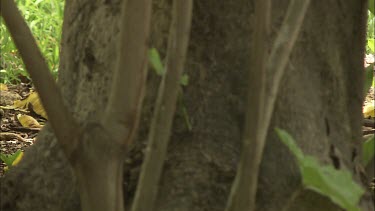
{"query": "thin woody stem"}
(127, 93)
(165, 107)
(261, 102)
(62, 121)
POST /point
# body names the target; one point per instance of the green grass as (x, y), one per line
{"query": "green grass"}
(370, 33)
(44, 17)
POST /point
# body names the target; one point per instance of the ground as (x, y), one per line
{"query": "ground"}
(13, 135)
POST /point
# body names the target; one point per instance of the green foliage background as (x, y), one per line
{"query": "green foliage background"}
(45, 21)
(371, 28)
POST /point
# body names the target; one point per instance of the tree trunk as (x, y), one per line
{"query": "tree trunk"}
(319, 103)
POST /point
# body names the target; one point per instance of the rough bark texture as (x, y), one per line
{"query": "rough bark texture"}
(319, 104)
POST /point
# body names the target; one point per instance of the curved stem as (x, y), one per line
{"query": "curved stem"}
(62, 121)
(261, 101)
(292, 198)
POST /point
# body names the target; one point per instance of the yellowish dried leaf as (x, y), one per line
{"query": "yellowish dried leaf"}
(13, 108)
(34, 101)
(18, 159)
(368, 110)
(20, 104)
(3, 87)
(28, 121)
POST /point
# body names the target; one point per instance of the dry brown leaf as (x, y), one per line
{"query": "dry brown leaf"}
(369, 110)
(28, 121)
(9, 136)
(36, 105)
(3, 87)
(20, 104)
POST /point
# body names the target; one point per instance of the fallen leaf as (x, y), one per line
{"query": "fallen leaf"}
(36, 105)
(14, 108)
(3, 87)
(28, 121)
(368, 110)
(9, 136)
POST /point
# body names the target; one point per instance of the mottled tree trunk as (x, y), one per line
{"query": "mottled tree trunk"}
(319, 103)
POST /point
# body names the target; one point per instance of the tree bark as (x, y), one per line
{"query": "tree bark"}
(319, 103)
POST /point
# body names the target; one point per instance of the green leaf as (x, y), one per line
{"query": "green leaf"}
(338, 185)
(184, 81)
(290, 143)
(368, 150)
(5, 159)
(9, 159)
(155, 61)
(38, 2)
(371, 6)
(369, 76)
(371, 44)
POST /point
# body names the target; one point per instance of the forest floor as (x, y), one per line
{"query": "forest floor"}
(14, 136)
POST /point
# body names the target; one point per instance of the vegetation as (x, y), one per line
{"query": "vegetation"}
(338, 185)
(45, 20)
(371, 28)
(11, 160)
(370, 33)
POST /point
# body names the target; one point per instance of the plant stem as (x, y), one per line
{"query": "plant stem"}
(62, 121)
(127, 92)
(165, 107)
(261, 101)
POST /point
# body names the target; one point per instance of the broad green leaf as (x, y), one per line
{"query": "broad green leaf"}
(9, 159)
(371, 6)
(338, 185)
(155, 61)
(369, 77)
(5, 159)
(368, 150)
